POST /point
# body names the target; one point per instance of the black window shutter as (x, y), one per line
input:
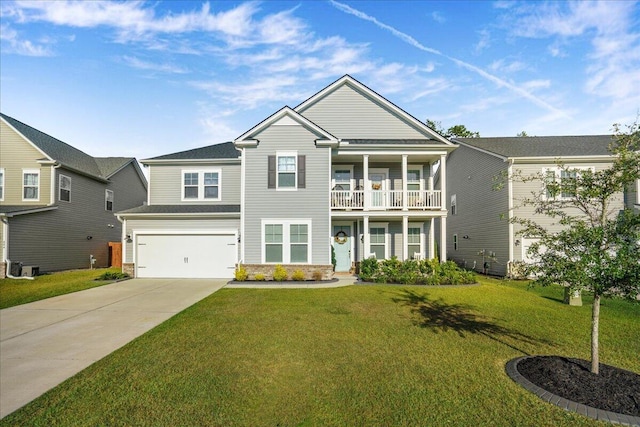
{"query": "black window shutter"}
(302, 174)
(271, 167)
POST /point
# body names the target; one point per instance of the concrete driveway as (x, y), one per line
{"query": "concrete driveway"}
(45, 342)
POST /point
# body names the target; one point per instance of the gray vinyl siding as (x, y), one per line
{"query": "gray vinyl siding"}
(166, 184)
(524, 190)
(129, 191)
(481, 212)
(347, 113)
(17, 154)
(311, 202)
(167, 224)
(631, 196)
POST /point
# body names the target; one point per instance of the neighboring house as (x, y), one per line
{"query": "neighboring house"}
(345, 169)
(479, 234)
(57, 203)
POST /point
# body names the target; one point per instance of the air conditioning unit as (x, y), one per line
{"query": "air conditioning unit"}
(30, 270)
(15, 269)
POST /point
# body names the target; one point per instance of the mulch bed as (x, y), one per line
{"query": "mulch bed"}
(614, 389)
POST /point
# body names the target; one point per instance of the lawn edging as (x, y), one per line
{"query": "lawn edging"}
(289, 284)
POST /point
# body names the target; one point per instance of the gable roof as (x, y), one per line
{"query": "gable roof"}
(101, 168)
(225, 150)
(542, 146)
(347, 80)
(247, 137)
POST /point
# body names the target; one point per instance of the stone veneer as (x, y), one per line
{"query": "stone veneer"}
(129, 268)
(308, 270)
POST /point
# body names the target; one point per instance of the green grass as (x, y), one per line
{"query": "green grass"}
(21, 291)
(357, 356)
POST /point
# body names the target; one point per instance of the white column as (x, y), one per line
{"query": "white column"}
(432, 238)
(443, 181)
(366, 250)
(367, 186)
(405, 237)
(443, 239)
(404, 184)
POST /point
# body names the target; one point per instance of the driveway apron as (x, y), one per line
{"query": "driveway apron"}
(45, 342)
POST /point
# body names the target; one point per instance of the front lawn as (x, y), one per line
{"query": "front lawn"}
(21, 291)
(356, 356)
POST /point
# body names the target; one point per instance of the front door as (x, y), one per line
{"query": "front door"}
(342, 247)
(378, 182)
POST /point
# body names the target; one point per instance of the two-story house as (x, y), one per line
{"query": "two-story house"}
(57, 203)
(346, 171)
(480, 235)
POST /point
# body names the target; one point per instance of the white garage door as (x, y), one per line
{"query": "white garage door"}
(186, 255)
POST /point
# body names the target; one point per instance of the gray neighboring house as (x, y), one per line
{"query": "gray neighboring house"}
(57, 203)
(479, 234)
(346, 169)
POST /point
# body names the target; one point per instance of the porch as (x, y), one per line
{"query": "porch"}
(378, 199)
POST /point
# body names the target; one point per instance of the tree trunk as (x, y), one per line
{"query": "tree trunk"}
(595, 320)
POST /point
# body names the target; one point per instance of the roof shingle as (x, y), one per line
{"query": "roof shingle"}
(543, 146)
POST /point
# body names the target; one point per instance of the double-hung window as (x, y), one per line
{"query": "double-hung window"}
(64, 188)
(414, 178)
(286, 170)
(108, 200)
(378, 240)
(414, 239)
(561, 184)
(200, 185)
(286, 241)
(30, 185)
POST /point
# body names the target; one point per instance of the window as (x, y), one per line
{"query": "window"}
(108, 200)
(568, 183)
(455, 242)
(414, 178)
(378, 240)
(1, 184)
(561, 184)
(64, 184)
(30, 185)
(454, 205)
(286, 171)
(342, 178)
(286, 241)
(198, 185)
(414, 239)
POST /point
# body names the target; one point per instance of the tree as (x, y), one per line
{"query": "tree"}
(597, 249)
(459, 131)
(522, 134)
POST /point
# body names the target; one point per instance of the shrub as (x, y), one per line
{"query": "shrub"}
(241, 273)
(112, 275)
(297, 275)
(369, 269)
(317, 275)
(280, 273)
(259, 277)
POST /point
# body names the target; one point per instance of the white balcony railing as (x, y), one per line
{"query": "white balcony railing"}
(386, 200)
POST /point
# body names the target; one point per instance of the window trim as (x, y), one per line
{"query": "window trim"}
(293, 154)
(420, 181)
(106, 200)
(557, 171)
(384, 225)
(31, 171)
(286, 239)
(2, 186)
(201, 185)
(453, 207)
(419, 225)
(60, 177)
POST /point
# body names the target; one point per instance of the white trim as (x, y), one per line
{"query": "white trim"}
(352, 180)
(60, 176)
(420, 168)
(510, 210)
(293, 154)
(2, 186)
(422, 237)
(191, 162)
(286, 239)
(31, 171)
(4, 243)
(243, 168)
(384, 225)
(201, 185)
(106, 199)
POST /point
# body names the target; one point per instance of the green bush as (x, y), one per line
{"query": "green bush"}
(413, 272)
(298, 276)
(259, 277)
(241, 273)
(112, 275)
(280, 273)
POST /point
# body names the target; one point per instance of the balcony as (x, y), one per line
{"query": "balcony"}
(386, 200)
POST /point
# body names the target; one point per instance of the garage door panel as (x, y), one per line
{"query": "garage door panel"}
(186, 256)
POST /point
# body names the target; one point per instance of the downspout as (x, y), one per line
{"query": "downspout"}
(52, 194)
(123, 237)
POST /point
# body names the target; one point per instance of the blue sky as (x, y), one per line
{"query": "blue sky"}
(149, 78)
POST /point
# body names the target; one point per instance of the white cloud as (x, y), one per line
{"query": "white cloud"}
(503, 66)
(438, 17)
(13, 44)
(150, 66)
